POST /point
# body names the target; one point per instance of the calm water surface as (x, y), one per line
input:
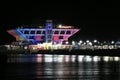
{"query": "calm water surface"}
(60, 67)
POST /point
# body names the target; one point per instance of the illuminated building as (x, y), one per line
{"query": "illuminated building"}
(47, 34)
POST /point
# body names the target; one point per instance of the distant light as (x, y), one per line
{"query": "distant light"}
(66, 42)
(104, 41)
(80, 41)
(95, 41)
(90, 43)
(84, 43)
(73, 42)
(61, 42)
(55, 43)
(112, 42)
(87, 41)
(60, 26)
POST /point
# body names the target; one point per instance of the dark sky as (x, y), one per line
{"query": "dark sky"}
(97, 20)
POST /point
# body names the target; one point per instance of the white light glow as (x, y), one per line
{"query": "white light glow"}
(106, 58)
(95, 41)
(116, 58)
(87, 41)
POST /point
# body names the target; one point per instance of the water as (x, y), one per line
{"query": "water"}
(60, 67)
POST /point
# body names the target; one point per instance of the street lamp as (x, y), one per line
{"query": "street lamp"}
(66, 42)
(87, 41)
(112, 42)
(73, 42)
(90, 43)
(80, 41)
(95, 41)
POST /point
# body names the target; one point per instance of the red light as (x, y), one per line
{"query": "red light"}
(38, 38)
(56, 38)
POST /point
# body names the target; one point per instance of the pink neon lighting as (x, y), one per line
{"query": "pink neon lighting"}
(55, 38)
(38, 38)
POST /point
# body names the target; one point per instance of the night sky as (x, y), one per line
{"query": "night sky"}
(97, 20)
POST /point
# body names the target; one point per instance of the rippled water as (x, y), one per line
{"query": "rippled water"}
(61, 67)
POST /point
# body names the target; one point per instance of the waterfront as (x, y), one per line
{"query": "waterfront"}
(61, 67)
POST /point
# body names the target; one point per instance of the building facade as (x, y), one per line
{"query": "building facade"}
(46, 34)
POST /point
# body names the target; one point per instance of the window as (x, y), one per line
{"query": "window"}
(56, 32)
(31, 37)
(26, 32)
(68, 32)
(32, 32)
(38, 32)
(62, 32)
(43, 32)
(43, 37)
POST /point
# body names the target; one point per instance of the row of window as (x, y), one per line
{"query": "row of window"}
(43, 32)
(42, 37)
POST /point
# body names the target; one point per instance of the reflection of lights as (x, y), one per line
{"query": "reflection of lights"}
(106, 58)
(80, 58)
(60, 58)
(39, 58)
(66, 58)
(88, 58)
(111, 58)
(116, 58)
(111, 47)
(48, 58)
(95, 58)
(73, 58)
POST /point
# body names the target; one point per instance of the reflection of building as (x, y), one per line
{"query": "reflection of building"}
(49, 34)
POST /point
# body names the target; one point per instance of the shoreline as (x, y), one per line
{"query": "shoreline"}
(97, 52)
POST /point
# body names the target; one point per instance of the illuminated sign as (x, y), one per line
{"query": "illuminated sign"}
(64, 26)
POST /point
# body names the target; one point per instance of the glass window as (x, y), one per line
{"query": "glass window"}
(62, 32)
(68, 32)
(26, 32)
(38, 32)
(56, 32)
(32, 32)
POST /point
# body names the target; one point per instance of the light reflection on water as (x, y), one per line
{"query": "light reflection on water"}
(58, 58)
(62, 67)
